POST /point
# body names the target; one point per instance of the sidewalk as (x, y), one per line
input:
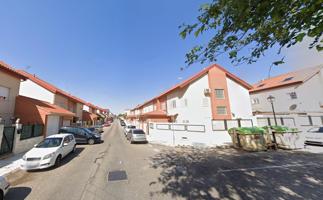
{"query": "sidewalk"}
(10, 163)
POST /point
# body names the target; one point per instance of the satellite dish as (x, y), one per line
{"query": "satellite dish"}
(292, 107)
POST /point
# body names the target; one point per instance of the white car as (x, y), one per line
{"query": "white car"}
(314, 136)
(49, 152)
(128, 129)
(4, 187)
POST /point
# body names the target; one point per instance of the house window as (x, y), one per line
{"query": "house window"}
(219, 93)
(185, 103)
(4, 93)
(288, 79)
(173, 104)
(293, 95)
(221, 110)
(255, 101)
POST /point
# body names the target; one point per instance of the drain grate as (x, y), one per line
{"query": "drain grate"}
(117, 176)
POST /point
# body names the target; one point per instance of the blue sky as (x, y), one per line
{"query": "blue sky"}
(115, 53)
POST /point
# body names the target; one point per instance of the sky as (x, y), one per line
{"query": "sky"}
(117, 53)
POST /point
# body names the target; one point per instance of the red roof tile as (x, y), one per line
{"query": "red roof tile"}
(8, 69)
(45, 106)
(195, 77)
(49, 86)
(291, 78)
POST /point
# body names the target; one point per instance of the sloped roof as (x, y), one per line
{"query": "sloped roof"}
(87, 116)
(155, 113)
(194, 78)
(9, 70)
(291, 78)
(48, 108)
(49, 86)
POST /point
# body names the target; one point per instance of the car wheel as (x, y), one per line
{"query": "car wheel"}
(1, 195)
(58, 161)
(90, 141)
(74, 149)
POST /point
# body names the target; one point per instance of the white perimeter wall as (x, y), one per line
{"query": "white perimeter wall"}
(198, 109)
(32, 90)
(194, 138)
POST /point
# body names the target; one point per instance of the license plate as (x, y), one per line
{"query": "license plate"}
(32, 164)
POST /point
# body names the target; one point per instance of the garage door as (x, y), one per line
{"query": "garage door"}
(52, 125)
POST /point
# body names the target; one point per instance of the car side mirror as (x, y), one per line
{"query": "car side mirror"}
(35, 145)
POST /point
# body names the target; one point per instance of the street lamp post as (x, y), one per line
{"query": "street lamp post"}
(271, 100)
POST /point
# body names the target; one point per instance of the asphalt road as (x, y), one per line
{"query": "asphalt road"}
(84, 175)
(157, 172)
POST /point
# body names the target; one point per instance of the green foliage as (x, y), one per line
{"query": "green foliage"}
(247, 130)
(281, 129)
(256, 25)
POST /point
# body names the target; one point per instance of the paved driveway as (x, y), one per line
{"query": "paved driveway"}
(159, 172)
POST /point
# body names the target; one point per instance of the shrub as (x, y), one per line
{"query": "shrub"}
(248, 131)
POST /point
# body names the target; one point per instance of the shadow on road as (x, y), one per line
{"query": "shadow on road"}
(18, 193)
(229, 174)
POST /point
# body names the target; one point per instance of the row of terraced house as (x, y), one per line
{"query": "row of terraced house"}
(31, 109)
(201, 109)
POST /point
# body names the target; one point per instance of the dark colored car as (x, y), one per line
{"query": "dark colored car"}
(82, 135)
(122, 123)
(96, 129)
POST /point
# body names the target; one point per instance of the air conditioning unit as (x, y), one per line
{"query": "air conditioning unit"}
(321, 104)
(207, 91)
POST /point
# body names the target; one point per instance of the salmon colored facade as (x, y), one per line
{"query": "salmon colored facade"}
(217, 80)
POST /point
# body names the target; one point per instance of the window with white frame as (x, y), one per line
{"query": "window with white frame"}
(4, 93)
(219, 93)
(185, 102)
(255, 101)
(173, 103)
(293, 95)
(221, 110)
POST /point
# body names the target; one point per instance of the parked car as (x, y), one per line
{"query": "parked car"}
(122, 123)
(106, 124)
(136, 135)
(49, 152)
(82, 135)
(314, 136)
(4, 187)
(96, 129)
(128, 128)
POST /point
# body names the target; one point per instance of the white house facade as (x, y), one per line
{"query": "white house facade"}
(298, 96)
(200, 110)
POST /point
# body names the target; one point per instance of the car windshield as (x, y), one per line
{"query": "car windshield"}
(131, 127)
(50, 142)
(88, 131)
(138, 132)
(91, 129)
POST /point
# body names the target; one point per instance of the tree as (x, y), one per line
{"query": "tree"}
(254, 26)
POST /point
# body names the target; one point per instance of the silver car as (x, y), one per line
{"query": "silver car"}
(128, 129)
(314, 136)
(136, 135)
(4, 187)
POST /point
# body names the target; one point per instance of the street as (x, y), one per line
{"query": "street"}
(160, 172)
